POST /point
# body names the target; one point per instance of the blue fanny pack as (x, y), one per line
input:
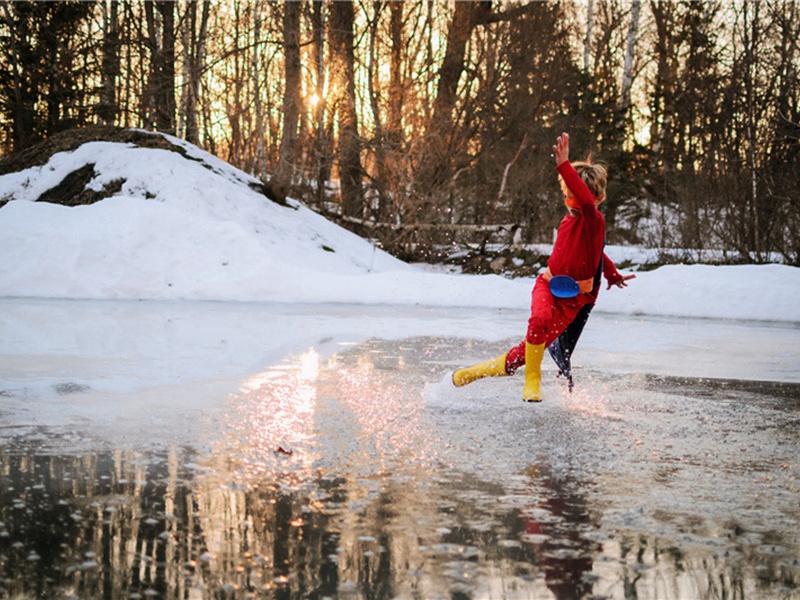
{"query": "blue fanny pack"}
(564, 286)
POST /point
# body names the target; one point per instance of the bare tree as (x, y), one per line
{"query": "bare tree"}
(194, 47)
(19, 96)
(663, 95)
(342, 20)
(161, 41)
(751, 41)
(292, 93)
(630, 54)
(396, 88)
(321, 145)
(419, 106)
(107, 109)
(587, 40)
(435, 169)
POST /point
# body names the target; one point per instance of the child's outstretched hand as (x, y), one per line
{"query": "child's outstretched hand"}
(561, 149)
(622, 283)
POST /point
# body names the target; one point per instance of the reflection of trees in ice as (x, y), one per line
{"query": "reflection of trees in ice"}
(99, 523)
(122, 523)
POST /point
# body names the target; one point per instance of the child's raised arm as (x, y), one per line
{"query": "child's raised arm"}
(578, 189)
(561, 149)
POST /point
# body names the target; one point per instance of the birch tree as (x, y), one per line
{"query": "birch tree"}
(194, 35)
(630, 55)
(587, 39)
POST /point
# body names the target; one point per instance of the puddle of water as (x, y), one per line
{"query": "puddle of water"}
(349, 474)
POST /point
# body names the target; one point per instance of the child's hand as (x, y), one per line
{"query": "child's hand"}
(561, 149)
(622, 282)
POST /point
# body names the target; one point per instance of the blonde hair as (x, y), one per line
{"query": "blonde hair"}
(595, 177)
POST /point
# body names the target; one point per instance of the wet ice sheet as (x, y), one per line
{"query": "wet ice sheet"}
(106, 360)
(338, 460)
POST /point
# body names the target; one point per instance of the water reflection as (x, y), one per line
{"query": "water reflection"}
(93, 526)
(332, 477)
(122, 525)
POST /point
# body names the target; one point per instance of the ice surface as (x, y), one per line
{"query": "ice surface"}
(213, 431)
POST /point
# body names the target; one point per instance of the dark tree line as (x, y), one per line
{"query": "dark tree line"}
(424, 124)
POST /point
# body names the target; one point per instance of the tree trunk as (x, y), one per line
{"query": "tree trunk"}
(394, 117)
(458, 34)
(434, 169)
(166, 108)
(663, 100)
(292, 93)
(380, 180)
(129, 79)
(391, 134)
(752, 51)
(342, 17)
(108, 109)
(162, 73)
(587, 40)
(321, 143)
(630, 53)
(194, 42)
(260, 157)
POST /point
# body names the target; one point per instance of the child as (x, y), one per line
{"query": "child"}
(578, 254)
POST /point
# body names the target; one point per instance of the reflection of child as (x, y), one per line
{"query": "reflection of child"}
(577, 253)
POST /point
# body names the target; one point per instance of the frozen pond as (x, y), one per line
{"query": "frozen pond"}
(221, 450)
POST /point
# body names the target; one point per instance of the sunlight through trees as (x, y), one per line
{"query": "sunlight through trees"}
(400, 119)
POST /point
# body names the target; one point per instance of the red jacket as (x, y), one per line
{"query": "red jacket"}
(580, 238)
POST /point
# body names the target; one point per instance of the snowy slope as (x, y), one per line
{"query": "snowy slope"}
(176, 229)
(191, 227)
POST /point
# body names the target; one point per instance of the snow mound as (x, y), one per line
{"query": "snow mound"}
(177, 225)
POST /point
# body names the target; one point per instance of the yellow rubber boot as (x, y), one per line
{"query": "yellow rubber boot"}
(490, 368)
(533, 372)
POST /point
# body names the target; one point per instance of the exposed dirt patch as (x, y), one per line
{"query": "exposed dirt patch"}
(73, 190)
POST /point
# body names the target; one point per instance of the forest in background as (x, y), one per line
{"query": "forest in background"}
(425, 125)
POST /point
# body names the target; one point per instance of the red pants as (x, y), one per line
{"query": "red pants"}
(550, 316)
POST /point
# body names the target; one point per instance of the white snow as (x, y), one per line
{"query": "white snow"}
(193, 229)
